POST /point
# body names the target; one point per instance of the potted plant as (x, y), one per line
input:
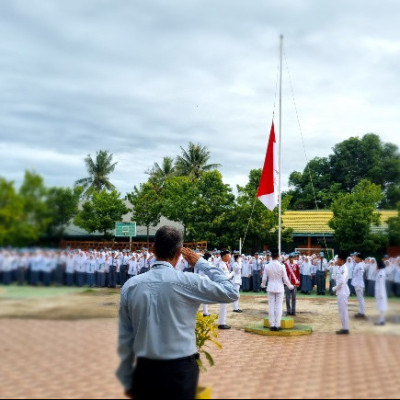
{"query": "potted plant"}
(206, 332)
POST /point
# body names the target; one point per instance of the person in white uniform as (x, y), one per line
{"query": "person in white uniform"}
(237, 280)
(342, 292)
(223, 307)
(380, 293)
(358, 282)
(276, 274)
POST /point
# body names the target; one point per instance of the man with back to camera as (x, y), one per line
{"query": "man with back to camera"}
(157, 319)
(276, 275)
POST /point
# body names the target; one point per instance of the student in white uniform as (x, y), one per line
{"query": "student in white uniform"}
(342, 292)
(380, 293)
(223, 307)
(207, 256)
(237, 279)
(358, 282)
(276, 274)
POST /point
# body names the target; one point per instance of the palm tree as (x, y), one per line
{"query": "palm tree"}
(158, 174)
(98, 171)
(193, 161)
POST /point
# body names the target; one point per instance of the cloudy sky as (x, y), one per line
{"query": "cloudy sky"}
(141, 79)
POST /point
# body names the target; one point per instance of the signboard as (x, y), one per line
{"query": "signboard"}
(125, 229)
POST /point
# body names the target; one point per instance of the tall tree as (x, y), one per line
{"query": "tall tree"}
(12, 232)
(194, 161)
(315, 187)
(353, 214)
(101, 212)
(36, 216)
(158, 174)
(62, 204)
(99, 170)
(147, 205)
(352, 160)
(394, 228)
(179, 196)
(211, 211)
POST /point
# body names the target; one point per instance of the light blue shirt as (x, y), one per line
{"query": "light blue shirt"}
(157, 314)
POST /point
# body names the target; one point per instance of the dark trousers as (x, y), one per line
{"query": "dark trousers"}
(245, 284)
(290, 300)
(256, 281)
(320, 282)
(166, 379)
(112, 276)
(123, 274)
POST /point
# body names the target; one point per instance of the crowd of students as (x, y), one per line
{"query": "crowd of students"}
(111, 268)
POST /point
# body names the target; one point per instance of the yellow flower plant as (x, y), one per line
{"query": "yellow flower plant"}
(206, 331)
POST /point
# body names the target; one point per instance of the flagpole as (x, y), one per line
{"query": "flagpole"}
(280, 150)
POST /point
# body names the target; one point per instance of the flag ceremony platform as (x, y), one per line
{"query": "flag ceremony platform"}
(287, 325)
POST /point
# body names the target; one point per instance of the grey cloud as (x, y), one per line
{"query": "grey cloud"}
(141, 79)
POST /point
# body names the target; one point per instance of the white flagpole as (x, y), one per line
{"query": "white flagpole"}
(280, 150)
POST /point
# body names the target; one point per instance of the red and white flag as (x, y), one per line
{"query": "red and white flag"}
(268, 187)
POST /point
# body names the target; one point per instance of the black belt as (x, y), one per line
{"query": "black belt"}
(144, 360)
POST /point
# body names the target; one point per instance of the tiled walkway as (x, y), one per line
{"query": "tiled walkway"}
(77, 359)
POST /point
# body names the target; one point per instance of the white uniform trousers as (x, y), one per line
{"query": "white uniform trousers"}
(205, 309)
(236, 303)
(342, 300)
(223, 308)
(360, 298)
(275, 301)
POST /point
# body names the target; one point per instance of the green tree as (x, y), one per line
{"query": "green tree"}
(211, 211)
(158, 174)
(367, 158)
(194, 161)
(394, 228)
(99, 170)
(352, 160)
(316, 175)
(353, 214)
(179, 196)
(35, 210)
(101, 212)
(147, 205)
(12, 216)
(62, 204)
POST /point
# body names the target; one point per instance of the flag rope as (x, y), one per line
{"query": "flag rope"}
(302, 141)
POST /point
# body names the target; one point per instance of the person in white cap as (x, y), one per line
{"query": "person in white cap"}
(343, 292)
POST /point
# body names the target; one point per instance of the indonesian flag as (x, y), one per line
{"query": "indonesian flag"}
(268, 188)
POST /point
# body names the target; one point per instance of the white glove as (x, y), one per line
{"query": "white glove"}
(334, 289)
